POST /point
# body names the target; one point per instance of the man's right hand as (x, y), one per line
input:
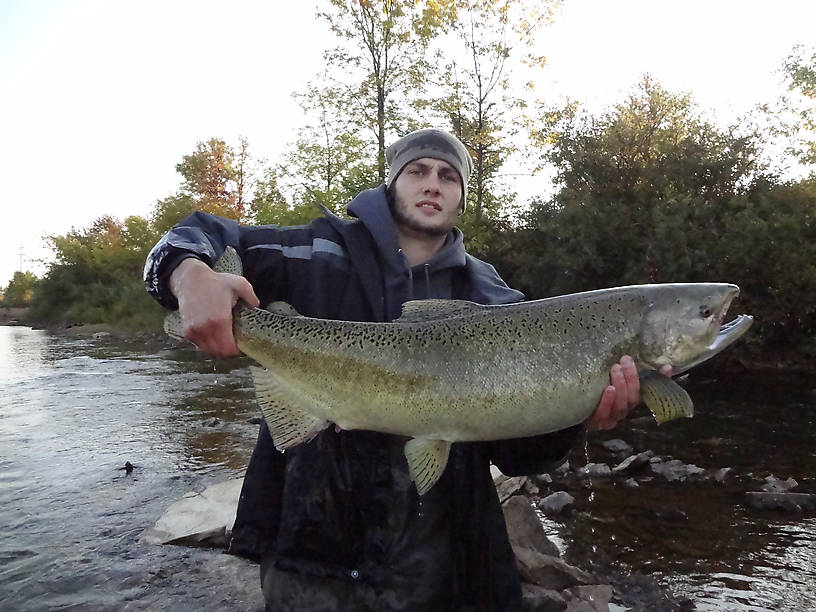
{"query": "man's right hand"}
(206, 299)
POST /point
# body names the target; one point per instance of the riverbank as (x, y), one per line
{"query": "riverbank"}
(13, 316)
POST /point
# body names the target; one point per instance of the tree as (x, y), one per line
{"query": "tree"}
(210, 178)
(643, 190)
(478, 102)
(20, 289)
(382, 57)
(328, 164)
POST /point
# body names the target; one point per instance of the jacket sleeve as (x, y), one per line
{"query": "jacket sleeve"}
(200, 235)
(536, 454)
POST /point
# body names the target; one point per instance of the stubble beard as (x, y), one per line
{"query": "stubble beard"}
(401, 218)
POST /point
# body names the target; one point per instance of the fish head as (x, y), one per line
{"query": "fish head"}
(682, 322)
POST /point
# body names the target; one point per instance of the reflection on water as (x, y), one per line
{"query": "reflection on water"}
(701, 538)
(72, 411)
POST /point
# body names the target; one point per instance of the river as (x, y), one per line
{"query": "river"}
(74, 409)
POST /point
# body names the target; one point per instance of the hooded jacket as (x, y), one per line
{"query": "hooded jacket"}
(343, 505)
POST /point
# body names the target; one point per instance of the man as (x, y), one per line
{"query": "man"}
(337, 523)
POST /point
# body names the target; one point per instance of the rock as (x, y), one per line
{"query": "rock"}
(589, 598)
(530, 488)
(722, 474)
(524, 527)
(633, 461)
(538, 599)
(506, 486)
(775, 485)
(617, 446)
(544, 479)
(595, 470)
(547, 571)
(789, 502)
(676, 470)
(555, 503)
(100, 335)
(198, 519)
(631, 483)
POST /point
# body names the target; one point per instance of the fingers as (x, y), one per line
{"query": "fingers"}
(206, 299)
(601, 418)
(630, 375)
(243, 290)
(619, 397)
(213, 336)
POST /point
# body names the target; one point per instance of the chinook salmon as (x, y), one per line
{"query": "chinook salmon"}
(450, 370)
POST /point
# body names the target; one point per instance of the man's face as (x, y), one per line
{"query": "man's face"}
(426, 197)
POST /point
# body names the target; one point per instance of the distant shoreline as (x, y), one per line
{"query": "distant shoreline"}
(13, 316)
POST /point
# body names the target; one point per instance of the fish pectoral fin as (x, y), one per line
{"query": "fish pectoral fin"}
(289, 424)
(426, 461)
(665, 398)
(416, 311)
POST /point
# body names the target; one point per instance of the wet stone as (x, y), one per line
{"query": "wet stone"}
(617, 446)
(556, 503)
(595, 470)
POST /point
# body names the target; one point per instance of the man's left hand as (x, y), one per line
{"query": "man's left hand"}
(620, 396)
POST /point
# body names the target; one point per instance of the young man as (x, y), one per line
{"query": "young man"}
(337, 523)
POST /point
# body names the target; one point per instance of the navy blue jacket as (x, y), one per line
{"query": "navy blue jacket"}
(343, 505)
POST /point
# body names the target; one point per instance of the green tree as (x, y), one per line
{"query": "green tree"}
(382, 57)
(20, 289)
(329, 163)
(642, 190)
(96, 276)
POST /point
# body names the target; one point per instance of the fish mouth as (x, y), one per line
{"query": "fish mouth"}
(729, 333)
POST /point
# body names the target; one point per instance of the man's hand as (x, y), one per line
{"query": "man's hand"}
(620, 396)
(205, 302)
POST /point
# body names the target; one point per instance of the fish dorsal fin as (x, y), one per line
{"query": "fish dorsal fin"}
(434, 310)
(229, 262)
(426, 461)
(282, 308)
(282, 408)
(665, 398)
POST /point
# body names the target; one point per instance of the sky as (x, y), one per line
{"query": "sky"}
(100, 100)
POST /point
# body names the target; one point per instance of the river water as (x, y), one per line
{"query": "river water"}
(74, 409)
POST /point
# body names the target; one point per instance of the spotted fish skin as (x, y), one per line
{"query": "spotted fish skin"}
(450, 371)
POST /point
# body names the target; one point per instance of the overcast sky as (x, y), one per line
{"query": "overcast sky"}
(99, 100)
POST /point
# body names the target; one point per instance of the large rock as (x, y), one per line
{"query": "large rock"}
(198, 519)
(506, 486)
(538, 599)
(548, 571)
(588, 598)
(524, 527)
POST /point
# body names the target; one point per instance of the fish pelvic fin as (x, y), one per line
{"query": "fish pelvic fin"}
(665, 398)
(288, 423)
(426, 461)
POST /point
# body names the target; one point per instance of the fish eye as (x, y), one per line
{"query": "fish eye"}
(705, 311)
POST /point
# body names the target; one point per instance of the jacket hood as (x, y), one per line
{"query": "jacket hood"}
(371, 208)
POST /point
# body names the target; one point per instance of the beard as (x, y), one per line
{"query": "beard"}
(399, 207)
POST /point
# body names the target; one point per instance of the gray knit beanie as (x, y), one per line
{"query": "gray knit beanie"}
(434, 143)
